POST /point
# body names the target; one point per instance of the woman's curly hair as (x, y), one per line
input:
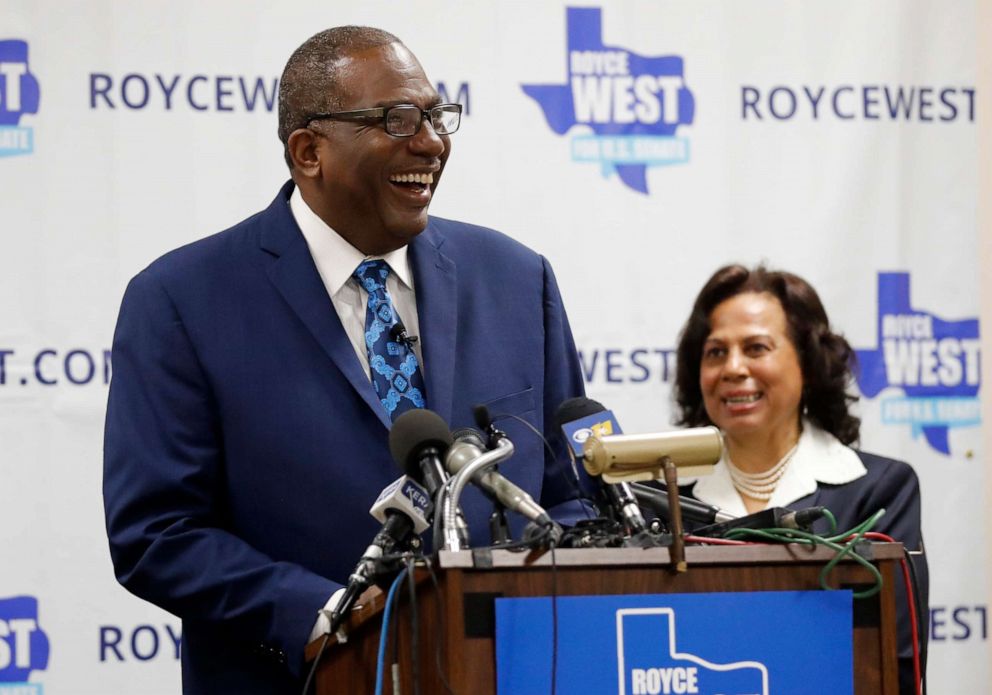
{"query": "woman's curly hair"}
(826, 359)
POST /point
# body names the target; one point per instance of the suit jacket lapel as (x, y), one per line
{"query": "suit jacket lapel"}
(296, 278)
(437, 310)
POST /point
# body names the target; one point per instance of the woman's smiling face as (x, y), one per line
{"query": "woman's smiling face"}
(750, 375)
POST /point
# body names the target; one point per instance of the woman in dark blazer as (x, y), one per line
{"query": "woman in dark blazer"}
(758, 359)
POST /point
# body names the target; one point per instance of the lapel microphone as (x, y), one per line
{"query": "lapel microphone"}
(399, 335)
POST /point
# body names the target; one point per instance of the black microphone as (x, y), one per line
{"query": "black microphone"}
(771, 517)
(399, 335)
(484, 421)
(692, 509)
(619, 495)
(467, 447)
(417, 441)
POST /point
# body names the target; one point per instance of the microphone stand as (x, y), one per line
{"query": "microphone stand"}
(677, 549)
(499, 529)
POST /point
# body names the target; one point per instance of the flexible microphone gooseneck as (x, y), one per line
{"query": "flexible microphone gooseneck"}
(467, 448)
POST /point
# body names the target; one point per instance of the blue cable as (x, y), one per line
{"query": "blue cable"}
(384, 632)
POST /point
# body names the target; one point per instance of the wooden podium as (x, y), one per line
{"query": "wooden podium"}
(456, 619)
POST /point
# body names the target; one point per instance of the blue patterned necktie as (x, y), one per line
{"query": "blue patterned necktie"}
(395, 371)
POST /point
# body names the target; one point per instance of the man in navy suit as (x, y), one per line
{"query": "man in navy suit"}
(245, 440)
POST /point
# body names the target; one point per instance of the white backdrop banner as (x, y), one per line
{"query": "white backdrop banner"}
(639, 145)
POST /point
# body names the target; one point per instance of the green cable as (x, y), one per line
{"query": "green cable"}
(783, 535)
(861, 528)
(847, 550)
(831, 518)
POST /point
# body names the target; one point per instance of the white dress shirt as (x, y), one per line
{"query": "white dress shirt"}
(819, 458)
(336, 260)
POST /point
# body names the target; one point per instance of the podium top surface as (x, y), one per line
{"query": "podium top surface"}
(751, 554)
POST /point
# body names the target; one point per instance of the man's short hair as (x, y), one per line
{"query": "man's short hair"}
(309, 82)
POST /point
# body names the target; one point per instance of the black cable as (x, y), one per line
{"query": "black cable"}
(545, 537)
(572, 482)
(554, 620)
(440, 623)
(316, 660)
(414, 628)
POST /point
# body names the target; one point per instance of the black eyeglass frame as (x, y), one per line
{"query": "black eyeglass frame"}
(382, 112)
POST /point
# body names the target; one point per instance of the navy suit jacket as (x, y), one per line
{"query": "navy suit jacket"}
(244, 442)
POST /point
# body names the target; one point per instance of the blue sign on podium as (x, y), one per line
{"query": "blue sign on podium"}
(757, 643)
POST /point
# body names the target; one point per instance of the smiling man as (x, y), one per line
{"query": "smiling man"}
(257, 372)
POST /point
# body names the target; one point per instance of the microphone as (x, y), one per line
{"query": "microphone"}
(404, 509)
(579, 418)
(417, 441)
(404, 497)
(692, 509)
(642, 456)
(484, 421)
(399, 335)
(595, 421)
(467, 447)
(771, 517)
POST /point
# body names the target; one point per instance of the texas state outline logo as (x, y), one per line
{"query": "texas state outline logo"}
(23, 646)
(650, 664)
(633, 104)
(19, 94)
(934, 361)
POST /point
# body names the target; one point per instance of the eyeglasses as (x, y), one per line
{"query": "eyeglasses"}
(402, 121)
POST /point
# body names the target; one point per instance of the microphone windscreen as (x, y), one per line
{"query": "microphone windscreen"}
(413, 431)
(480, 414)
(576, 409)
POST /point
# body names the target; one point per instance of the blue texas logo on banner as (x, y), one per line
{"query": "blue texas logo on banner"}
(935, 362)
(633, 104)
(19, 95)
(23, 645)
(698, 644)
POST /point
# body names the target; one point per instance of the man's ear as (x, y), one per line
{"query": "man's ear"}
(302, 148)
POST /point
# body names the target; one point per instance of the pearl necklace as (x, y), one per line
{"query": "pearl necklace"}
(760, 486)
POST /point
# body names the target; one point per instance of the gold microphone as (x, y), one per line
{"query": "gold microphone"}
(627, 457)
